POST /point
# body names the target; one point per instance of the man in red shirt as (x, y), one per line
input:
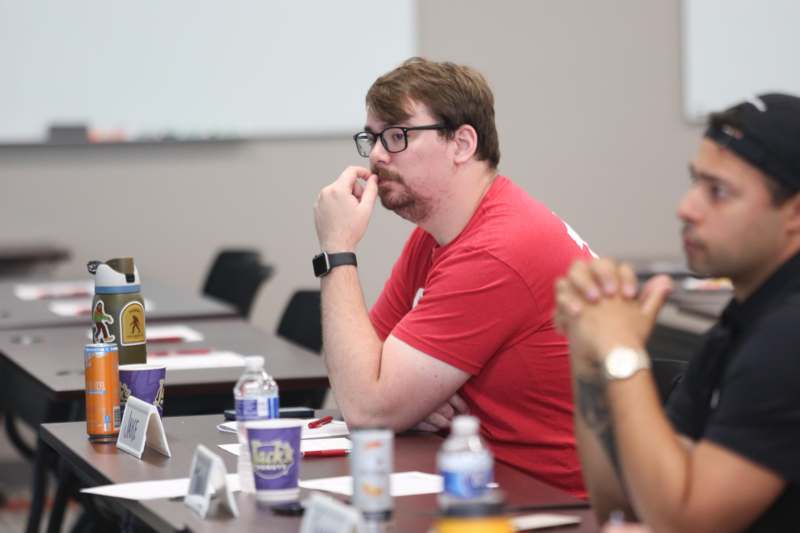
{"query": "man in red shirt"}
(465, 320)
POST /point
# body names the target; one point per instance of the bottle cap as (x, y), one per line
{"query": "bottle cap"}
(115, 275)
(254, 362)
(464, 425)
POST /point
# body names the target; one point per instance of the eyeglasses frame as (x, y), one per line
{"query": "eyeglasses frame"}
(405, 130)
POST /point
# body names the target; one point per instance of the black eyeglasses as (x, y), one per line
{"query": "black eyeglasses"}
(393, 138)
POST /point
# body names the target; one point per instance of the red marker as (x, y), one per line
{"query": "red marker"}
(320, 422)
(326, 453)
(165, 340)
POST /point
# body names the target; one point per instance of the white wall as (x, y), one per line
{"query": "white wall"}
(589, 114)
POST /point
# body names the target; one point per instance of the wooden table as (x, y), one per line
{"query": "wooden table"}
(168, 303)
(43, 379)
(23, 259)
(44, 369)
(99, 464)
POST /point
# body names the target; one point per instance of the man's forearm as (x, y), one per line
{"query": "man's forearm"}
(352, 349)
(597, 448)
(655, 461)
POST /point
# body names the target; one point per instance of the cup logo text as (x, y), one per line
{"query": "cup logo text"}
(271, 459)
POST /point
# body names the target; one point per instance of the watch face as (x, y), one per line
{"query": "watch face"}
(621, 363)
(320, 263)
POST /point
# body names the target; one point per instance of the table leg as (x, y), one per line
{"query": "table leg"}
(66, 486)
(39, 487)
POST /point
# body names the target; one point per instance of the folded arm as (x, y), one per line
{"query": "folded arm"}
(673, 486)
(377, 383)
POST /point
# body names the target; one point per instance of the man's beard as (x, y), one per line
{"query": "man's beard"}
(396, 196)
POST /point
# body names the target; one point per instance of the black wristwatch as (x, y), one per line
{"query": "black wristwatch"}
(325, 262)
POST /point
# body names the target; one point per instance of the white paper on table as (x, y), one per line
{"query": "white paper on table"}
(212, 359)
(53, 289)
(82, 306)
(402, 484)
(542, 521)
(152, 490)
(307, 445)
(178, 331)
(334, 428)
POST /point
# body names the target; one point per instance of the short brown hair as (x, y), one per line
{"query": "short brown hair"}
(455, 94)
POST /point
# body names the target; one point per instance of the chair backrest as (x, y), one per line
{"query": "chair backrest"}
(235, 277)
(667, 373)
(302, 321)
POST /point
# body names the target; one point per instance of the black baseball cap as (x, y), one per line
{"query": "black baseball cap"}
(765, 132)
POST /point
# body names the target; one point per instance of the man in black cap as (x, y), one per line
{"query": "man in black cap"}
(725, 454)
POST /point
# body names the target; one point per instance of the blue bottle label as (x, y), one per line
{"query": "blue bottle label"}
(466, 484)
(260, 408)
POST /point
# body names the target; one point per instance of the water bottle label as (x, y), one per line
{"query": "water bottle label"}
(257, 408)
(273, 407)
(466, 484)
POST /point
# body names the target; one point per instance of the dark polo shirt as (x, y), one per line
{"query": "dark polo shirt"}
(742, 390)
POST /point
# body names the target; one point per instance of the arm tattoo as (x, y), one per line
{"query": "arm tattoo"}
(593, 406)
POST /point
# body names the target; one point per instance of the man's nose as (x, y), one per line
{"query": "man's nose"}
(689, 208)
(378, 154)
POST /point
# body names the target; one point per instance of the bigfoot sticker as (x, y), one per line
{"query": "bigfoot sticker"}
(102, 320)
(131, 324)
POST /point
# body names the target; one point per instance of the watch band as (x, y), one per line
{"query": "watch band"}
(325, 262)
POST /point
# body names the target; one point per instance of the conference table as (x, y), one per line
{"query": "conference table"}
(41, 357)
(44, 368)
(44, 382)
(93, 464)
(38, 303)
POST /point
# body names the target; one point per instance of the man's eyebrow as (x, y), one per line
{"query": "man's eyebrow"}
(696, 174)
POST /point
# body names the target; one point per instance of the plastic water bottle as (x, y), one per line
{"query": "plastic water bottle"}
(256, 398)
(466, 464)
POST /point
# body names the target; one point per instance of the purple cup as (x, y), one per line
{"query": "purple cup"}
(274, 447)
(145, 382)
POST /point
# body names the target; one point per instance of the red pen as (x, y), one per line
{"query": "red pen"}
(326, 453)
(165, 340)
(320, 422)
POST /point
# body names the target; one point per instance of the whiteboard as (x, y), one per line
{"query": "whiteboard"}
(733, 49)
(195, 69)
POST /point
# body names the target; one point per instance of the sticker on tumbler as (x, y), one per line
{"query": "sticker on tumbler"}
(101, 321)
(131, 324)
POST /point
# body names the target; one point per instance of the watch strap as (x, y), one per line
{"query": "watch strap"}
(325, 262)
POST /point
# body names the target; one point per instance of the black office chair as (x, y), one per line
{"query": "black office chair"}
(235, 278)
(301, 323)
(667, 373)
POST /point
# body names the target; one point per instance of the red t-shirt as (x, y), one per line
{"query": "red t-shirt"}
(484, 304)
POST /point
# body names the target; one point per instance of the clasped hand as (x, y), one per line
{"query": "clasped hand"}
(343, 210)
(599, 306)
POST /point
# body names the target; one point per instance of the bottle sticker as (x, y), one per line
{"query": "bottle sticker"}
(101, 332)
(257, 408)
(466, 484)
(273, 409)
(131, 324)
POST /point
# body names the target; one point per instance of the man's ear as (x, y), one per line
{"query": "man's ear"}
(466, 142)
(792, 210)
